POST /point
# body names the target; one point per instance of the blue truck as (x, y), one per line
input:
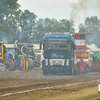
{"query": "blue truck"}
(58, 52)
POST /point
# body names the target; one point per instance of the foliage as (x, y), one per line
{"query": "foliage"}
(15, 23)
(24, 26)
(91, 25)
(51, 25)
(8, 8)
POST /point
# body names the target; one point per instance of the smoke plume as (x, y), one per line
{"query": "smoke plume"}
(84, 8)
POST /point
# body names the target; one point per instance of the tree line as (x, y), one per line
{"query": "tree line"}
(25, 26)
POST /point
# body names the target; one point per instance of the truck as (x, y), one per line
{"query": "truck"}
(26, 55)
(95, 61)
(5, 62)
(22, 55)
(81, 53)
(22, 59)
(58, 51)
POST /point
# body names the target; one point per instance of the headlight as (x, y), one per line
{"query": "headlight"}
(67, 62)
(46, 61)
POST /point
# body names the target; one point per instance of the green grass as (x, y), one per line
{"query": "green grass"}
(86, 91)
(89, 97)
(57, 92)
(47, 94)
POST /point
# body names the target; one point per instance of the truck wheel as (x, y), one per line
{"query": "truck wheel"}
(45, 73)
(8, 65)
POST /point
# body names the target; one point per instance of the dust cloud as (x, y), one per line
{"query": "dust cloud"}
(84, 8)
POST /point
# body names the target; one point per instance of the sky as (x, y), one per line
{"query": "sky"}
(77, 10)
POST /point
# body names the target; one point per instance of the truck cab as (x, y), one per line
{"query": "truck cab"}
(58, 51)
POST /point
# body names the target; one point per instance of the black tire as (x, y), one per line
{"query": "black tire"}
(13, 64)
(45, 73)
(31, 63)
(8, 65)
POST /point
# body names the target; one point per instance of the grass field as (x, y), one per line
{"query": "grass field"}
(84, 91)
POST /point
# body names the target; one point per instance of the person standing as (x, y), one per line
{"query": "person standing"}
(42, 58)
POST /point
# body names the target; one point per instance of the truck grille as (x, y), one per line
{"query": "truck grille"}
(57, 62)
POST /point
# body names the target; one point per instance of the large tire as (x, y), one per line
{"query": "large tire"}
(13, 64)
(8, 65)
(30, 63)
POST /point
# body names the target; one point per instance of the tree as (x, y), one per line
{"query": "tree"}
(53, 25)
(66, 25)
(6, 7)
(91, 24)
(82, 28)
(27, 22)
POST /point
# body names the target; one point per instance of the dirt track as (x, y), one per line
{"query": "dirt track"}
(19, 80)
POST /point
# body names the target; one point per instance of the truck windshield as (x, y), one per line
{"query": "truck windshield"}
(0, 50)
(80, 42)
(57, 45)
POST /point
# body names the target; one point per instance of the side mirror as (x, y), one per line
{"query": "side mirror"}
(40, 44)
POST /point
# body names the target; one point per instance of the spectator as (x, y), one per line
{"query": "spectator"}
(42, 58)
